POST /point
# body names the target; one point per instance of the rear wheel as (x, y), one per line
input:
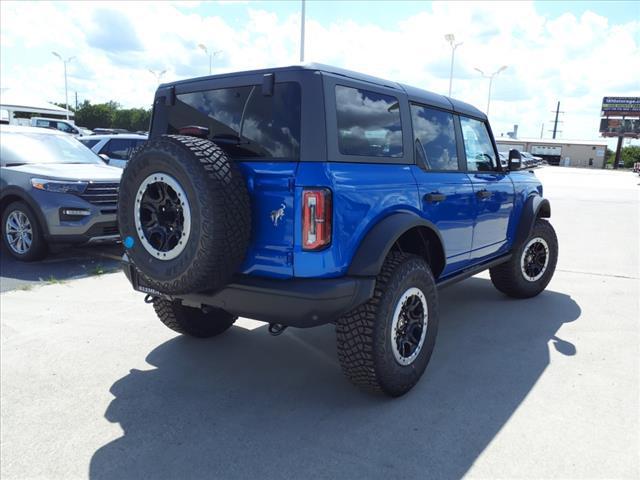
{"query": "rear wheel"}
(386, 343)
(22, 234)
(532, 265)
(193, 321)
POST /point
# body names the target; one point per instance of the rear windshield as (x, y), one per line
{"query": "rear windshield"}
(20, 147)
(243, 121)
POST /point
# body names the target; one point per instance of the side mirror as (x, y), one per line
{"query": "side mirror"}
(515, 160)
(104, 158)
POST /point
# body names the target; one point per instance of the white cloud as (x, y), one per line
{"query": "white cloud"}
(576, 60)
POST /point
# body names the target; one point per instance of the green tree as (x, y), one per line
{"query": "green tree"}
(630, 155)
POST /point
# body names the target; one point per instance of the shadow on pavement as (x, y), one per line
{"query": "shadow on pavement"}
(63, 263)
(246, 405)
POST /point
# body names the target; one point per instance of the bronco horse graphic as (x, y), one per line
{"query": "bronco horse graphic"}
(277, 215)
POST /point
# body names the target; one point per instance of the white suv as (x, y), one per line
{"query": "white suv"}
(66, 126)
(114, 149)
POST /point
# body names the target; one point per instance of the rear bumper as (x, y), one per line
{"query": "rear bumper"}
(296, 303)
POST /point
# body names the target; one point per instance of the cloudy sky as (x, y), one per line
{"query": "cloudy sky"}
(575, 52)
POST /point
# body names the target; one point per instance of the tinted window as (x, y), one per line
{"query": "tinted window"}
(243, 121)
(434, 138)
(89, 143)
(118, 148)
(18, 148)
(368, 123)
(65, 127)
(477, 145)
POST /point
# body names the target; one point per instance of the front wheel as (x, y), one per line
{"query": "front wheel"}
(532, 265)
(194, 322)
(385, 344)
(22, 234)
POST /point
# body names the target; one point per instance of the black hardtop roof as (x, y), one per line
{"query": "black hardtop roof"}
(414, 94)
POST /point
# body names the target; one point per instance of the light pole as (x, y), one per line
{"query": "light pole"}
(158, 75)
(302, 21)
(449, 37)
(490, 77)
(211, 54)
(66, 97)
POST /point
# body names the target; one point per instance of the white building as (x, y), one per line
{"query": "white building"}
(17, 109)
(569, 153)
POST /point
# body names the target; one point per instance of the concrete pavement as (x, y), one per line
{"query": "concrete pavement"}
(93, 385)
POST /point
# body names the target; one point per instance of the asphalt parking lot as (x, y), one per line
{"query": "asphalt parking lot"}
(62, 264)
(93, 385)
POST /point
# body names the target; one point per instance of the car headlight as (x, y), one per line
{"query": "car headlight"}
(59, 186)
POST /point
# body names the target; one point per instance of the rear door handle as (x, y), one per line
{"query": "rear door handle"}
(483, 194)
(435, 197)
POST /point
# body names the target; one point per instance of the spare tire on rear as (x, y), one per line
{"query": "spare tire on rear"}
(184, 214)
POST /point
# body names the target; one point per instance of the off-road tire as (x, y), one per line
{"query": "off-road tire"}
(192, 321)
(39, 247)
(220, 214)
(364, 335)
(508, 277)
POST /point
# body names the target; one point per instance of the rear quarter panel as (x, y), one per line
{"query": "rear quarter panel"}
(363, 194)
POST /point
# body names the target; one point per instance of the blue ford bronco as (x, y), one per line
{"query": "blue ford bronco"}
(308, 195)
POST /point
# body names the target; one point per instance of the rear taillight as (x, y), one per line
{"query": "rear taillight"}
(316, 218)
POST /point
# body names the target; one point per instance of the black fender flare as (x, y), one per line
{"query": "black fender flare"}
(23, 196)
(534, 207)
(373, 249)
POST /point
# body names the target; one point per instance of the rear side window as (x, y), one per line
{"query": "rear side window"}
(368, 123)
(89, 143)
(243, 121)
(434, 138)
(477, 145)
(118, 148)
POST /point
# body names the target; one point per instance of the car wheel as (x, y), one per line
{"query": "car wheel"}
(532, 265)
(22, 234)
(385, 344)
(194, 322)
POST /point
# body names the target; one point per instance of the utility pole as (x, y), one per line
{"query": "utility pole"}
(76, 101)
(449, 37)
(302, 21)
(556, 121)
(542, 131)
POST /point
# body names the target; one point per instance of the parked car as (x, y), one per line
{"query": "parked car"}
(529, 160)
(53, 190)
(114, 149)
(66, 126)
(308, 195)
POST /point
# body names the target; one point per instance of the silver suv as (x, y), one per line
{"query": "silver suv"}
(53, 189)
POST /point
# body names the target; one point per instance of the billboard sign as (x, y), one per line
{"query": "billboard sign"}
(621, 107)
(618, 127)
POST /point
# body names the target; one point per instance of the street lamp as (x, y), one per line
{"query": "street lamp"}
(449, 37)
(490, 77)
(158, 75)
(211, 55)
(66, 97)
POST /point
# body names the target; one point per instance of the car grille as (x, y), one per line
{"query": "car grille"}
(100, 193)
(111, 230)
